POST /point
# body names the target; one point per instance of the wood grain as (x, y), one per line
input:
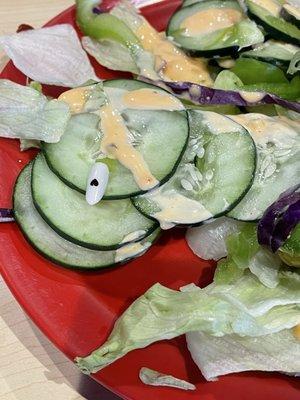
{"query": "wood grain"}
(33, 12)
(31, 368)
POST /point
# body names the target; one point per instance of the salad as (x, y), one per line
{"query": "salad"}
(205, 135)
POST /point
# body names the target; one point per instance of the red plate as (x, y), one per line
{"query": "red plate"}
(77, 310)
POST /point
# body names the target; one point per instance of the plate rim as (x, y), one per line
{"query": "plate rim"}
(40, 324)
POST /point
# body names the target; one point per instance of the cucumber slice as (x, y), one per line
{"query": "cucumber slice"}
(187, 3)
(214, 34)
(270, 19)
(106, 226)
(291, 13)
(160, 136)
(47, 242)
(220, 109)
(273, 52)
(215, 173)
(278, 163)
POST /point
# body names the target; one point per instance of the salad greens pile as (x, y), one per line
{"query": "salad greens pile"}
(220, 141)
(216, 356)
(243, 320)
(236, 304)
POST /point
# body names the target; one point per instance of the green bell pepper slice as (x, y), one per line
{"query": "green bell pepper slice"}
(103, 26)
(288, 91)
(252, 71)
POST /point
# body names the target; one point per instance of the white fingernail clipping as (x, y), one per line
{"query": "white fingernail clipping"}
(97, 182)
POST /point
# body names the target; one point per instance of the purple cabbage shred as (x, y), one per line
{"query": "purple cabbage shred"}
(6, 215)
(280, 219)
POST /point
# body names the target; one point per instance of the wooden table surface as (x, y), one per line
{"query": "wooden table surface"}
(31, 368)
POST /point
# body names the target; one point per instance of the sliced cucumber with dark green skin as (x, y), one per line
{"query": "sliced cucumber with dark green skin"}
(291, 13)
(222, 109)
(275, 26)
(222, 41)
(187, 3)
(59, 250)
(160, 136)
(274, 52)
(215, 173)
(278, 163)
(107, 225)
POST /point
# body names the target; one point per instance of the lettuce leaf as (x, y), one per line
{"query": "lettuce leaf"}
(208, 241)
(26, 113)
(238, 240)
(245, 252)
(50, 55)
(246, 308)
(116, 56)
(128, 13)
(217, 356)
(154, 378)
(26, 144)
(227, 80)
(110, 54)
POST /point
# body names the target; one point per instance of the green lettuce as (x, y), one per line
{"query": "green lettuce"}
(26, 144)
(25, 113)
(110, 54)
(217, 356)
(116, 56)
(154, 378)
(237, 240)
(244, 252)
(51, 55)
(245, 308)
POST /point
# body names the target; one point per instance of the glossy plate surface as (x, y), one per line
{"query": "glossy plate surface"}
(77, 310)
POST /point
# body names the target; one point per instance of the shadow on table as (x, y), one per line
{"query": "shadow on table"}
(58, 368)
(83, 384)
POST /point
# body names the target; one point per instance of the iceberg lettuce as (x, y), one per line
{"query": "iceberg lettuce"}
(208, 241)
(217, 356)
(154, 378)
(26, 113)
(245, 252)
(51, 55)
(245, 308)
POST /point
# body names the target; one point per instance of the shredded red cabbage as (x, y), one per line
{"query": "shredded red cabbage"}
(280, 219)
(24, 27)
(204, 95)
(285, 225)
(6, 215)
(105, 6)
(97, 10)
